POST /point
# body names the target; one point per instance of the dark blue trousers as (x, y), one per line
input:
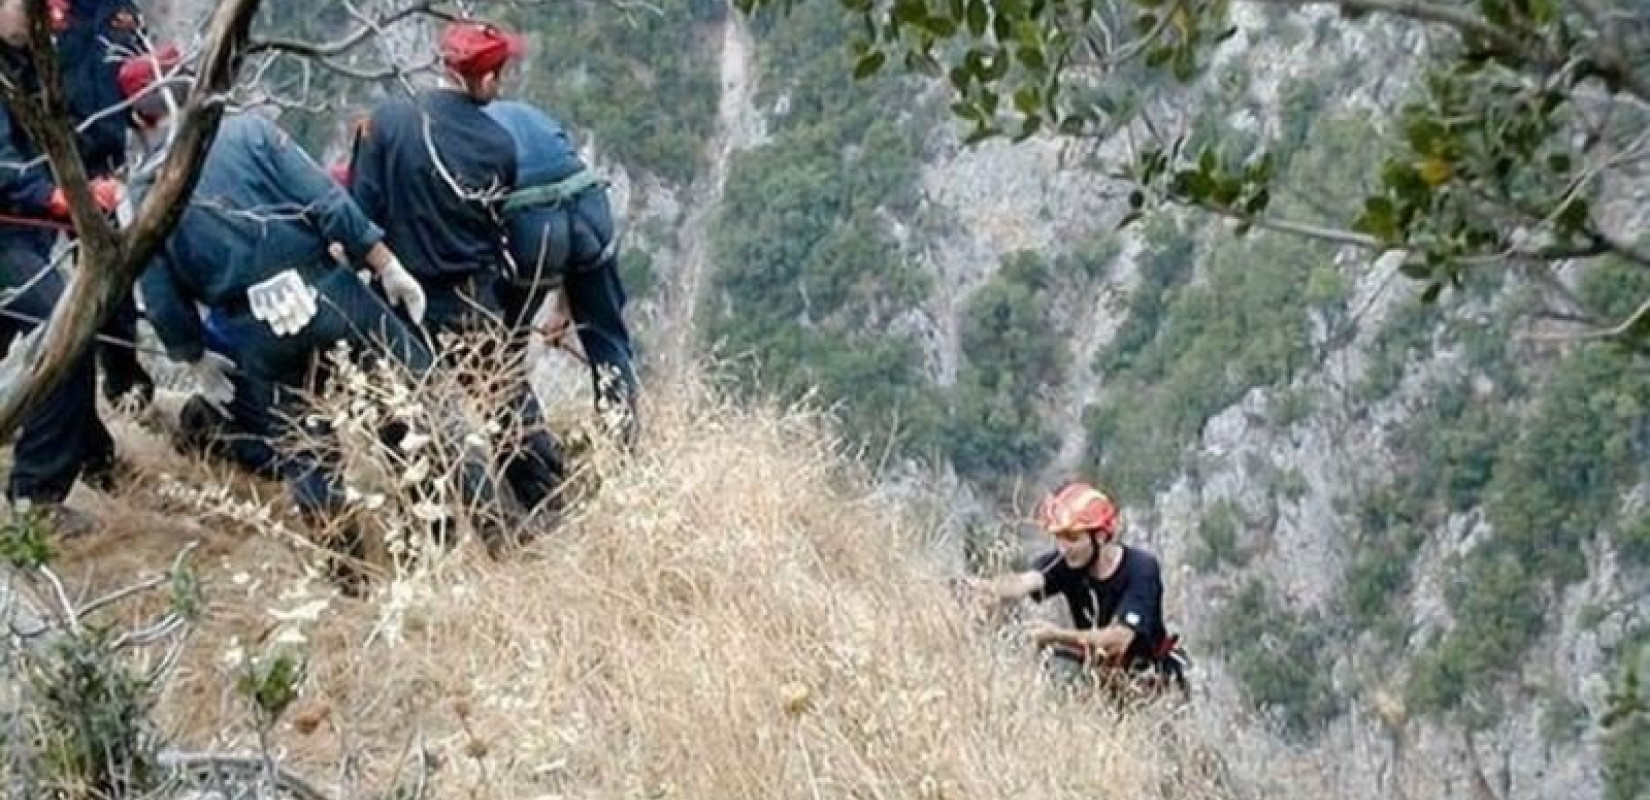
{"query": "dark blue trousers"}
(534, 466)
(274, 370)
(62, 438)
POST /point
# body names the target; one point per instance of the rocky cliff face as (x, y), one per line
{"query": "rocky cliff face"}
(1291, 478)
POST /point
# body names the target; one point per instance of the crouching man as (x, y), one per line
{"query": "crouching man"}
(251, 247)
(1113, 591)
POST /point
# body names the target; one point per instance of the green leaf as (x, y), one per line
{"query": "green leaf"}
(1144, 23)
(1031, 57)
(869, 64)
(923, 64)
(1192, 185)
(1258, 202)
(1208, 161)
(1405, 181)
(1227, 191)
(1137, 199)
(25, 542)
(966, 110)
(997, 66)
(1430, 294)
(1574, 216)
(1158, 56)
(1495, 12)
(910, 11)
(1129, 219)
(1027, 99)
(978, 17)
(1029, 128)
(1379, 219)
(1147, 167)
(1001, 26)
(1185, 64)
(1423, 135)
(941, 26)
(980, 133)
(1559, 163)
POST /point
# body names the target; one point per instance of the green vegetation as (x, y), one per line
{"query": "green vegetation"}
(807, 276)
(1246, 326)
(643, 84)
(1219, 538)
(1280, 658)
(1627, 736)
(994, 430)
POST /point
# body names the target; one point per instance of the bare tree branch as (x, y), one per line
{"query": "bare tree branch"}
(1617, 331)
(324, 50)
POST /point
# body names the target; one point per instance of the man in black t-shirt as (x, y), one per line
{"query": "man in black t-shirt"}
(1113, 591)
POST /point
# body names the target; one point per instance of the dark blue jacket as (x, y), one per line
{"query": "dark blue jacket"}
(25, 189)
(262, 205)
(100, 33)
(544, 152)
(547, 241)
(438, 233)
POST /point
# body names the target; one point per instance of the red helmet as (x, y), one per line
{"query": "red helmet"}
(138, 72)
(473, 49)
(1079, 507)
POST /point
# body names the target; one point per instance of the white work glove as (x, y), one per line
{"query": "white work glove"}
(402, 289)
(285, 302)
(211, 373)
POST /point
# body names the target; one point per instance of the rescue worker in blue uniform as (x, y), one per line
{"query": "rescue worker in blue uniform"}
(561, 232)
(433, 171)
(93, 37)
(265, 274)
(62, 439)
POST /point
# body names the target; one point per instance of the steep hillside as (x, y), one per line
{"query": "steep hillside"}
(694, 629)
(1415, 533)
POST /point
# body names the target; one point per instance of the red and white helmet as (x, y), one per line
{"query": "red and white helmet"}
(1078, 508)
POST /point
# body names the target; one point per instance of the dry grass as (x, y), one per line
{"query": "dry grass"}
(736, 613)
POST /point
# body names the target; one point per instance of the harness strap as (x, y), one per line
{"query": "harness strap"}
(553, 194)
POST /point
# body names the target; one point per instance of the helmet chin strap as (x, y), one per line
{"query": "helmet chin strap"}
(1094, 553)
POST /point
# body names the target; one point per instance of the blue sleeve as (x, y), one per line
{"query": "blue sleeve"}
(327, 206)
(25, 190)
(367, 170)
(171, 311)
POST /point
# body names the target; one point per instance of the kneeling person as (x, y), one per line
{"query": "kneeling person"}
(1113, 591)
(251, 246)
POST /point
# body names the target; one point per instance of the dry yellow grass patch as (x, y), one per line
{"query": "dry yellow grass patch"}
(735, 613)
